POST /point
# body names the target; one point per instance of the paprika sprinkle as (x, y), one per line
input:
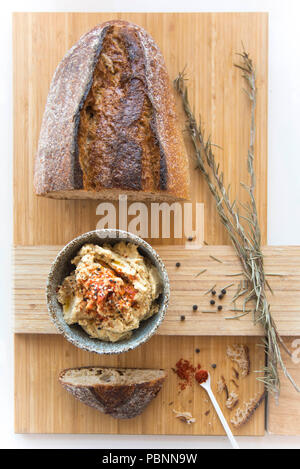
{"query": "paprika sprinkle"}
(185, 371)
(201, 376)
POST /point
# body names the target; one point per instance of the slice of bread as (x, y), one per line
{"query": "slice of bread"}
(243, 414)
(239, 354)
(122, 393)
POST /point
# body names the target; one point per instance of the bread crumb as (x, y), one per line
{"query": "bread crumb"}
(222, 386)
(232, 400)
(235, 383)
(236, 373)
(239, 354)
(185, 417)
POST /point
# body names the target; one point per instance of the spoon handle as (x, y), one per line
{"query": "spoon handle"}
(222, 418)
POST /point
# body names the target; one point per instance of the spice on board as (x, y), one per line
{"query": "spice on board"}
(185, 372)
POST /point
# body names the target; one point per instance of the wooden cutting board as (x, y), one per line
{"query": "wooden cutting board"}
(284, 415)
(32, 265)
(207, 44)
(58, 412)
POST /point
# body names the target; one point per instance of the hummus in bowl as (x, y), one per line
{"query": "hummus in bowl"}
(107, 291)
(112, 289)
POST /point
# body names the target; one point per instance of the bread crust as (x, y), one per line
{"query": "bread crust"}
(59, 170)
(124, 401)
(237, 421)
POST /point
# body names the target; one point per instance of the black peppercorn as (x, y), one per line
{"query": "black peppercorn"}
(220, 296)
(214, 365)
(195, 307)
(197, 350)
(212, 302)
(182, 318)
(213, 292)
(177, 264)
(220, 307)
(223, 291)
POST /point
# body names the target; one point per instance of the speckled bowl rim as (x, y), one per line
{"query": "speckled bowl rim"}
(96, 345)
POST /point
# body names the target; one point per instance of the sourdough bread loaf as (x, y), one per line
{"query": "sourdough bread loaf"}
(122, 393)
(110, 126)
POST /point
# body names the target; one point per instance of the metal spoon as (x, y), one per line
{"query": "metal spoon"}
(206, 386)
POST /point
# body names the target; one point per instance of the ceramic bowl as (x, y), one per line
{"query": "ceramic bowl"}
(62, 267)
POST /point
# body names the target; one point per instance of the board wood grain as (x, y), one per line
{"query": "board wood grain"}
(284, 415)
(207, 43)
(60, 412)
(32, 265)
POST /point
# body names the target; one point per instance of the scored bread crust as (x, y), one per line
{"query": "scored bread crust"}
(244, 413)
(121, 401)
(58, 172)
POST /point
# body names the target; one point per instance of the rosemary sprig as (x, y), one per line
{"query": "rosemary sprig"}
(243, 229)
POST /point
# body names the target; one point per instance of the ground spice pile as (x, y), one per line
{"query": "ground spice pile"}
(185, 372)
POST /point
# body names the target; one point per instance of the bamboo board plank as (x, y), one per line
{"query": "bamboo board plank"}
(32, 265)
(284, 416)
(64, 414)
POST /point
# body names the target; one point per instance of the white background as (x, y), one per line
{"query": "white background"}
(283, 190)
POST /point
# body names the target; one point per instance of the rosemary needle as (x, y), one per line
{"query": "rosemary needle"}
(269, 287)
(238, 315)
(234, 275)
(227, 286)
(216, 259)
(201, 272)
(239, 294)
(211, 289)
(274, 275)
